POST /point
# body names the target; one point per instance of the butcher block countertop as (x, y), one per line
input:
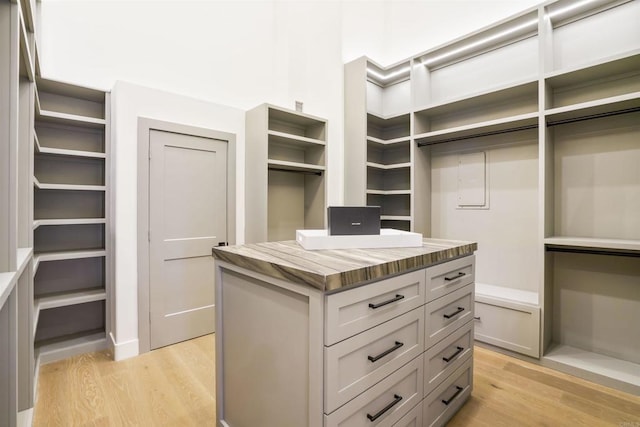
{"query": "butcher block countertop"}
(338, 269)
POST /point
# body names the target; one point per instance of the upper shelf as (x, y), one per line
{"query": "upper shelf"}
(73, 187)
(491, 127)
(593, 109)
(585, 244)
(293, 140)
(292, 124)
(66, 152)
(284, 165)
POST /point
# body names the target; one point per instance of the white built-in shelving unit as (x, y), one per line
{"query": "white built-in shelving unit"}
(525, 137)
(70, 219)
(285, 173)
(54, 240)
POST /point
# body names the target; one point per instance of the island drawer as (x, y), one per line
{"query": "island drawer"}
(412, 419)
(352, 311)
(353, 365)
(439, 406)
(446, 314)
(445, 278)
(384, 403)
(444, 358)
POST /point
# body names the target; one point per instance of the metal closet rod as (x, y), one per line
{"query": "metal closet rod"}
(478, 135)
(593, 116)
(580, 250)
(294, 171)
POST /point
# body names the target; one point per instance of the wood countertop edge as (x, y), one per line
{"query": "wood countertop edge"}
(262, 259)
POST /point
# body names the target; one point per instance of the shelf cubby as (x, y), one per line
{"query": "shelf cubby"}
(68, 204)
(498, 110)
(69, 140)
(388, 128)
(69, 276)
(603, 86)
(389, 179)
(286, 168)
(60, 238)
(64, 169)
(596, 178)
(595, 298)
(391, 205)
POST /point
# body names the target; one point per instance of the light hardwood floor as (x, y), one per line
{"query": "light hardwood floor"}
(175, 386)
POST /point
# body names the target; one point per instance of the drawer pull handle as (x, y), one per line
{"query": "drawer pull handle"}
(398, 297)
(384, 353)
(457, 276)
(455, 313)
(450, 358)
(476, 318)
(449, 400)
(396, 399)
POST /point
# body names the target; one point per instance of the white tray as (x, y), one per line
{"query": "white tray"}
(388, 238)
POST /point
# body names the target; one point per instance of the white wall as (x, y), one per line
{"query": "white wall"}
(129, 102)
(231, 55)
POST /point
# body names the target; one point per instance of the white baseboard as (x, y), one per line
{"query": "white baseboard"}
(124, 350)
(25, 418)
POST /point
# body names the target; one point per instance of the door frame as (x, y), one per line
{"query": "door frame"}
(145, 126)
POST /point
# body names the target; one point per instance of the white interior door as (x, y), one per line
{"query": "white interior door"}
(187, 217)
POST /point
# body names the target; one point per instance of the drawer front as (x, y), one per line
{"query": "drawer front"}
(353, 365)
(444, 358)
(443, 402)
(385, 403)
(513, 328)
(353, 311)
(444, 278)
(446, 314)
(412, 419)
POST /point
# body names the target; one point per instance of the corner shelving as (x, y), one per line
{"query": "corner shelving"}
(550, 99)
(285, 173)
(70, 222)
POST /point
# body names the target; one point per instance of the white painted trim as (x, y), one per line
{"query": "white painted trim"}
(25, 418)
(123, 350)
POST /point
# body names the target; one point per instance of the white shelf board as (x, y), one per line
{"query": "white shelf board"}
(9, 279)
(478, 99)
(594, 243)
(401, 140)
(294, 166)
(506, 294)
(395, 218)
(7, 283)
(490, 127)
(64, 255)
(596, 108)
(293, 140)
(68, 119)
(388, 192)
(74, 187)
(294, 117)
(70, 298)
(61, 349)
(601, 68)
(575, 360)
(391, 166)
(73, 221)
(389, 121)
(65, 152)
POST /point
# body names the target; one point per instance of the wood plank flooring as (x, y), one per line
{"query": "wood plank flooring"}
(175, 386)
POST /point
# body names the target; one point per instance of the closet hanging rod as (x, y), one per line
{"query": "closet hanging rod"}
(478, 135)
(592, 251)
(593, 116)
(319, 173)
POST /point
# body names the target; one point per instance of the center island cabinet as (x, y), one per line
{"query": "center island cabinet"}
(349, 337)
